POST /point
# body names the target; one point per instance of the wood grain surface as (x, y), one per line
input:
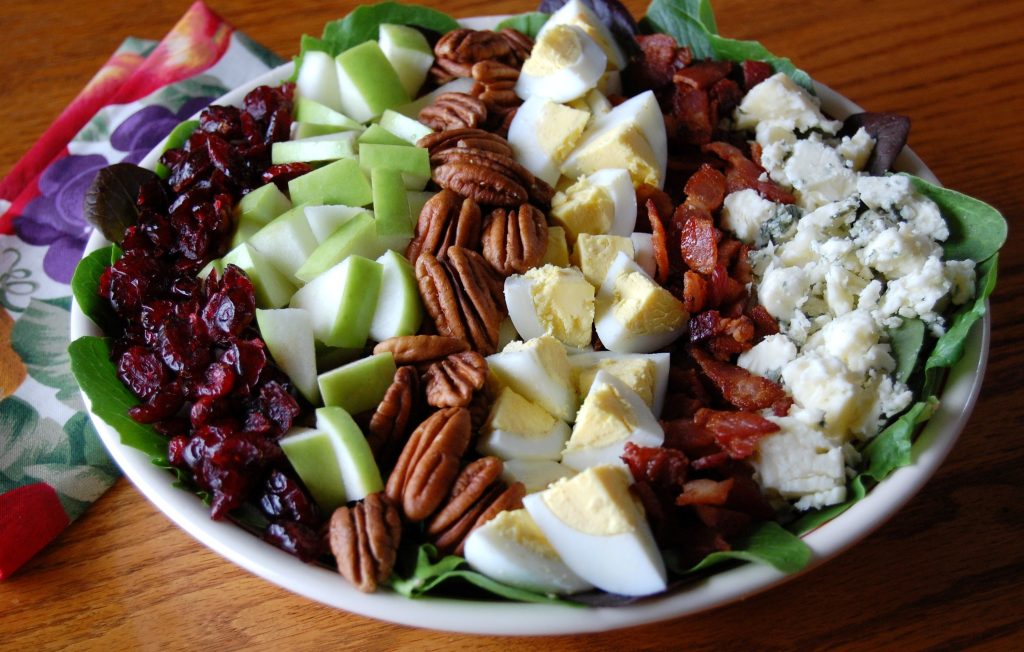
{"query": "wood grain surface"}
(946, 573)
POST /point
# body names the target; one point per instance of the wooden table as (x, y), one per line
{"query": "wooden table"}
(946, 573)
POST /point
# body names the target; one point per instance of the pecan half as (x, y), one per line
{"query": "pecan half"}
(429, 463)
(515, 240)
(364, 539)
(452, 381)
(489, 177)
(495, 87)
(390, 422)
(469, 46)
(459, 295)
(465, 138)
(446, 220)
(454, 111)
(421, 350)
(477, 496)
(520, 44)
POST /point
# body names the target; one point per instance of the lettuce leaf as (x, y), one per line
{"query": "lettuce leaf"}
(528, 23)
(768, 543)
(906, 342)
(85, 283)
(692, 23)
(427, 574)
(976, 230)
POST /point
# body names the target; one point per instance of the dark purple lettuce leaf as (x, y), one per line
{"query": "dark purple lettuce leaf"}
(890, 131)
(613, 14)
(110, 201)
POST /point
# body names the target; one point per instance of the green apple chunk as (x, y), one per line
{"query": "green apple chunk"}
(177, 138)
(409, 53)
(215, 264)
(378, 135)
(412, 162)
(391, 207)
(341, 301)
(341, 182)
(325, 220)
(302, 130)
(286, 242)
(312, 455)
(310, 111)
(315, 149)
(318, 81)
(288, 333)
(272, 288)
(256, 210)
(329, 357)
(417, 199)
(367, 82)
(358, 386)
(404, 127)
(359, 472)
(399, 308)
(357, 236)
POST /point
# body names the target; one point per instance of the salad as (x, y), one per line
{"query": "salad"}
(574, 309)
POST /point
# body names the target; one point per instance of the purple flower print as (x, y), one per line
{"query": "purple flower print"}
(55, 217)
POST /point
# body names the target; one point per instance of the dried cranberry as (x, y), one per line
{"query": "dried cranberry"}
(141, 371)
(284, 498)
(296, 538)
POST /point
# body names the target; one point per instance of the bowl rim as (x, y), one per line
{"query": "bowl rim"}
(933, 444)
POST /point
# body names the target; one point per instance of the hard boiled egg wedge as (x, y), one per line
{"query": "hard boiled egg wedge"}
(564, 64)
(536, 475)
(538, 369)
(612, 414)
(594, 524)
(550, 300)
(634, 313)
(520, 429)
(576, 12)
(644, 373)
(603, 202)
(542, 134)
(511, 549)
(643, 252)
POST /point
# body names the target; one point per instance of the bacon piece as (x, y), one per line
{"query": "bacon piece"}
(698, 241)
(741, 269)
(645, 193)
(662, 467)
(712, 461)
(755, 72)
(657, 63)
(738, 386)
(723, 288)
(766, 324)
(725, 96)
(726, 348)
(736, 432)
(703, 74)
(706, 188)
(694, 440)
(727, 522)
(742, 173)
(727, 250)
(659, 242)
(693, 109)
(705, 492)
(695, 292)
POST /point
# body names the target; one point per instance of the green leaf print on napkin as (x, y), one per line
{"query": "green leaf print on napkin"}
(40, 338)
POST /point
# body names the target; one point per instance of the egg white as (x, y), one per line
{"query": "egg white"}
(613, 334)
(570, 81)
(588, 359)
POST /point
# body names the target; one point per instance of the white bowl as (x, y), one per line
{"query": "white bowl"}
(497, 618)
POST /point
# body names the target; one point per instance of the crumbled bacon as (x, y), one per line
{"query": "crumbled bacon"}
(704, 492)
(741, 173)
(657, 62)
(725, 96)
(695, 292)
(659, 242)
(738, 386)
(706, 188)
(736, 432)
(663, 467)
(755, 72)
(698, 239)
(724, 289)
(645, 193)
(703, 74)
(766, 324)
(692, 108)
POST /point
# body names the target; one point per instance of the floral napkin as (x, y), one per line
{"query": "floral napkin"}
(52, 463)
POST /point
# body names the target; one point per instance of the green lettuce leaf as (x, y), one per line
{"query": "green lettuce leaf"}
(427, 574)
(111, 400)
(692, 23)
(906, 342)
(528, 23)
(976, 230)
(769, 543)
(84, 285)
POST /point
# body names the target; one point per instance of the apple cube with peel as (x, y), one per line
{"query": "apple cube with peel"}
(288, 333)
(324, 220)
(312, 455)
(308, 110)
(378, 135)
(214, 265)
(359, 472)
(315, 149)
(271, 287)
(412, 162)
(404, 127)
(409, 53)
(360, 385)
(318, 80)
(341, 182)
(286, 242)
(302, 130)
(357, 236)
(367, 82)
(399, 308)
(256, 209)
(417, 200)
(391, 208)
(341, 301)
(329, 357)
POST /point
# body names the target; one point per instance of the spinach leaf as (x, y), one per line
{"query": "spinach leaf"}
(692, 23)
(950, 346)
(86, 282)
(97, 376)
(427, 574)
(976, 230)
(768, 543)
(906, 342)
(528, 23)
